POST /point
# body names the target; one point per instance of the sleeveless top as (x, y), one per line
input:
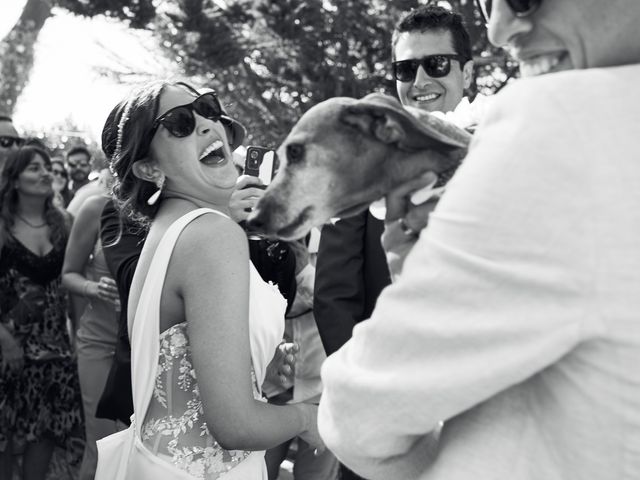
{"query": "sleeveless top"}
(174, 428)
(33, 303)
(99, 321)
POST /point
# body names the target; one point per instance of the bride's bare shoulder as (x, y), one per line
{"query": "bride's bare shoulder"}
(212, 234)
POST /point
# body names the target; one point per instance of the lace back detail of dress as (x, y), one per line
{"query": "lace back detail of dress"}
(174, 426)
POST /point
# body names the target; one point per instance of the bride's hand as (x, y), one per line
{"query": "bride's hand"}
(311, 434)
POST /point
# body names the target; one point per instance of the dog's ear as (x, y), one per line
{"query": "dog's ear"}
(385, 119)
(373, 123)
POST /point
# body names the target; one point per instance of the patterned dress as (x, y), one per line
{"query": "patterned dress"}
(43, 399)
(174, 427)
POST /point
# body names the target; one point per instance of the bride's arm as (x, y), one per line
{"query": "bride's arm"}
(212, 260)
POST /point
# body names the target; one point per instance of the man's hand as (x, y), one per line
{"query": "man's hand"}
(401, 208)
(245, 197)
(405, 219)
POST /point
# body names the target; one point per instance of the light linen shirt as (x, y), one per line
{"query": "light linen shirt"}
(516, 319)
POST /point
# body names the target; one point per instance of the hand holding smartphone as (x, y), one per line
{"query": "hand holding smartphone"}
(260, 162)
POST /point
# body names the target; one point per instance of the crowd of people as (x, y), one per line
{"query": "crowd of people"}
(491, 332)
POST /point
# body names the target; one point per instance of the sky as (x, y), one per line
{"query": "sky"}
(68, 79)
(9, 13)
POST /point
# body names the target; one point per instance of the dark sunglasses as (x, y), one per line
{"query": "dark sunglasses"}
(520, 8)
(181, 122)
(78, 164)
(436, 66)
(8, 142)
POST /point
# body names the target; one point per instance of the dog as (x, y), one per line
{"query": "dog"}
(344, 153)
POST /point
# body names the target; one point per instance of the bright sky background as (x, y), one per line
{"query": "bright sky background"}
(66, 81)
(10, 11)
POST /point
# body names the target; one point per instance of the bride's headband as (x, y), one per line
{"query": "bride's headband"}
(123, 120)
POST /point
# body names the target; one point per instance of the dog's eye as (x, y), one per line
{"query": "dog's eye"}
(295, 152)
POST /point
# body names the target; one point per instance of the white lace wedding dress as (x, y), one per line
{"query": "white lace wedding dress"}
(173, 441)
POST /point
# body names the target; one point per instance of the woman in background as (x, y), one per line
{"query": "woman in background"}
(85, 273)
(39, 391)
(62, 192)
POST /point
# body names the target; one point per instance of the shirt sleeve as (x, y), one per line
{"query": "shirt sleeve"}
(496, 289)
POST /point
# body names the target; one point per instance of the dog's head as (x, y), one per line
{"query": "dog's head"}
(343, 154)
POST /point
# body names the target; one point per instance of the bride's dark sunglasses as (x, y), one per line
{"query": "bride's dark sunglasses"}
(520, 8)
(436, 66)
(180, 121)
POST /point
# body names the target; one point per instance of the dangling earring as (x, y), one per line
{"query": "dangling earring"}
(156, 195)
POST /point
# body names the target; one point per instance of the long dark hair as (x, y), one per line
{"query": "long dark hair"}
(125, 139)
(65, 193)
(57, 219)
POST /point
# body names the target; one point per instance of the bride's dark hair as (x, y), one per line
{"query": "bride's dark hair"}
(125, 139)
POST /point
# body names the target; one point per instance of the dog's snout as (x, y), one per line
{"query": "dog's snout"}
(258, 220)
(255, 224)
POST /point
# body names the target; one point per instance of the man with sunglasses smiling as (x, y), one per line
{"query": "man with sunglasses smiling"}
(9, 139)
(432, 62)
(508, 347)
(79, 166)
(431, 53)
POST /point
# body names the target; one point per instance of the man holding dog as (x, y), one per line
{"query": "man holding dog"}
(514, 323)
(351, 269)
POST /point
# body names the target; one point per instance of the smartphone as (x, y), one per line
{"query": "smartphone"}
(260, 162)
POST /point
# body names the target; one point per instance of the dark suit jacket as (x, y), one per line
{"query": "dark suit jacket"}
(351, 271)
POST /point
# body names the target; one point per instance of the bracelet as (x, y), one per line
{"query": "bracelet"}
(85, 287)
(406, 229)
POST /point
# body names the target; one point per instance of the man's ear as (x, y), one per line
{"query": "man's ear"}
(146, 170)
(467, 74)
(373, 122)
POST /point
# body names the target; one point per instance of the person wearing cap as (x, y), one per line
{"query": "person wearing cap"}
(10, 140)
(508, 347)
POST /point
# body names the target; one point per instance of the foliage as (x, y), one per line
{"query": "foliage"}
(274, 59)
(63, 135)
(137, 13)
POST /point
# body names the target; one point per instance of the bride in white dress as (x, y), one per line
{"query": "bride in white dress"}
(203, 324)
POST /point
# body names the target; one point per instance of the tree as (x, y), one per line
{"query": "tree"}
(16, 52)
(274, 59)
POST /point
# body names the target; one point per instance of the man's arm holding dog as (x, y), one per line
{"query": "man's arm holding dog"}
(483, 303)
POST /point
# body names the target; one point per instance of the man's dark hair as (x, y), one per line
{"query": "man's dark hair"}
(79, 149)
(427, 18)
